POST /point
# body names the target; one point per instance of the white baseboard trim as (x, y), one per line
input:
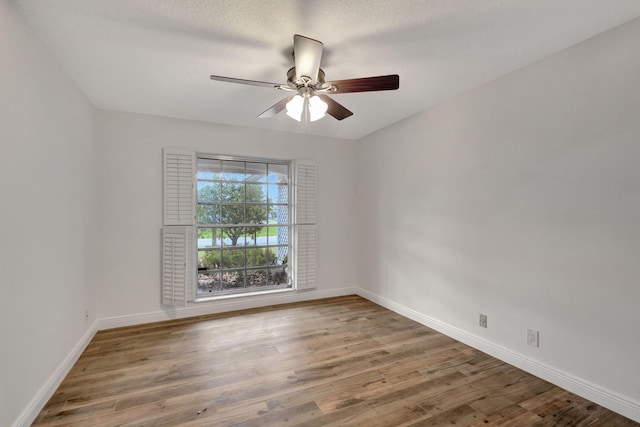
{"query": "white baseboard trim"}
(28, 416)
(46, 391)
(595, 393)
(592, 392)
(221, 306)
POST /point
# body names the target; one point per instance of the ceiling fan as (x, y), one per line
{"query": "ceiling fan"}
(309, 100)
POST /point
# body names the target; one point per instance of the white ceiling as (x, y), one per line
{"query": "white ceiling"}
(155, 56)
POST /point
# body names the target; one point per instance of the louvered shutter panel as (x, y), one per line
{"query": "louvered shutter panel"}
(179, 193)
(307, 259)
(306, 230)
(177, 273)
(306, 192)
(179, 207)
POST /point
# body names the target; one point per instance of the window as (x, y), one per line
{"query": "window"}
(233, 226)
(243, 226)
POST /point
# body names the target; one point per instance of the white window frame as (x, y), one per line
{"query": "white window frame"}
(302, 219)
(243, 291)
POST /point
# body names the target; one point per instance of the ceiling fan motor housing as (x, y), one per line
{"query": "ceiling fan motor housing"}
(291, 79)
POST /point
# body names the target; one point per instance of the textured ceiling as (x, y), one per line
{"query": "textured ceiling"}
(155, 56)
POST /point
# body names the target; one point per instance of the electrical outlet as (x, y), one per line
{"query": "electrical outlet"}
(483, 320)
(533, 337)
(86, 314)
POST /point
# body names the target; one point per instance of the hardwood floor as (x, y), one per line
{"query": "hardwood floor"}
(335, 362)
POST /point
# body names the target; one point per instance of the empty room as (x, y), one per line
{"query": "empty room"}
(336, 213)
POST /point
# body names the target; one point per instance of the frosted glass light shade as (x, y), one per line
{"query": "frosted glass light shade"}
(317, 108)
(294, 107)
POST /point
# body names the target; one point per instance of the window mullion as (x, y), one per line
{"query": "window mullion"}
(250, 203)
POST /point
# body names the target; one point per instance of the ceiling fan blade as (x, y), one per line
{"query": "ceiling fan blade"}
(307, 54)
(335, 109)
(272, 111)
(245, 82)
(366, 84)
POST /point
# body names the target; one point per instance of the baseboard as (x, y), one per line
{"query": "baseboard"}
(46, 391)
(34, 407)
(592, 392)
(221, 306)
(595, 393)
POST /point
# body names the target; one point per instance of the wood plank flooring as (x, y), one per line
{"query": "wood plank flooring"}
(334, 362)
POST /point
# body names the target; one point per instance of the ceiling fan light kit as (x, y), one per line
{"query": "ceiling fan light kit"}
(306, 79)
(308, 105)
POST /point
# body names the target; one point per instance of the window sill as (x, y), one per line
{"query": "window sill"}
(242, 295)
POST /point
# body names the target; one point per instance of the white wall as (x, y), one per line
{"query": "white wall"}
(46, 138)
(521, 200)
(127, 232)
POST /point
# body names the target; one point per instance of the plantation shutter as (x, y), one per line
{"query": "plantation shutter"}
(306, 192)
(176, 270)
(307, 259)
(179, 206)
(306, 229)
(179, 194)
